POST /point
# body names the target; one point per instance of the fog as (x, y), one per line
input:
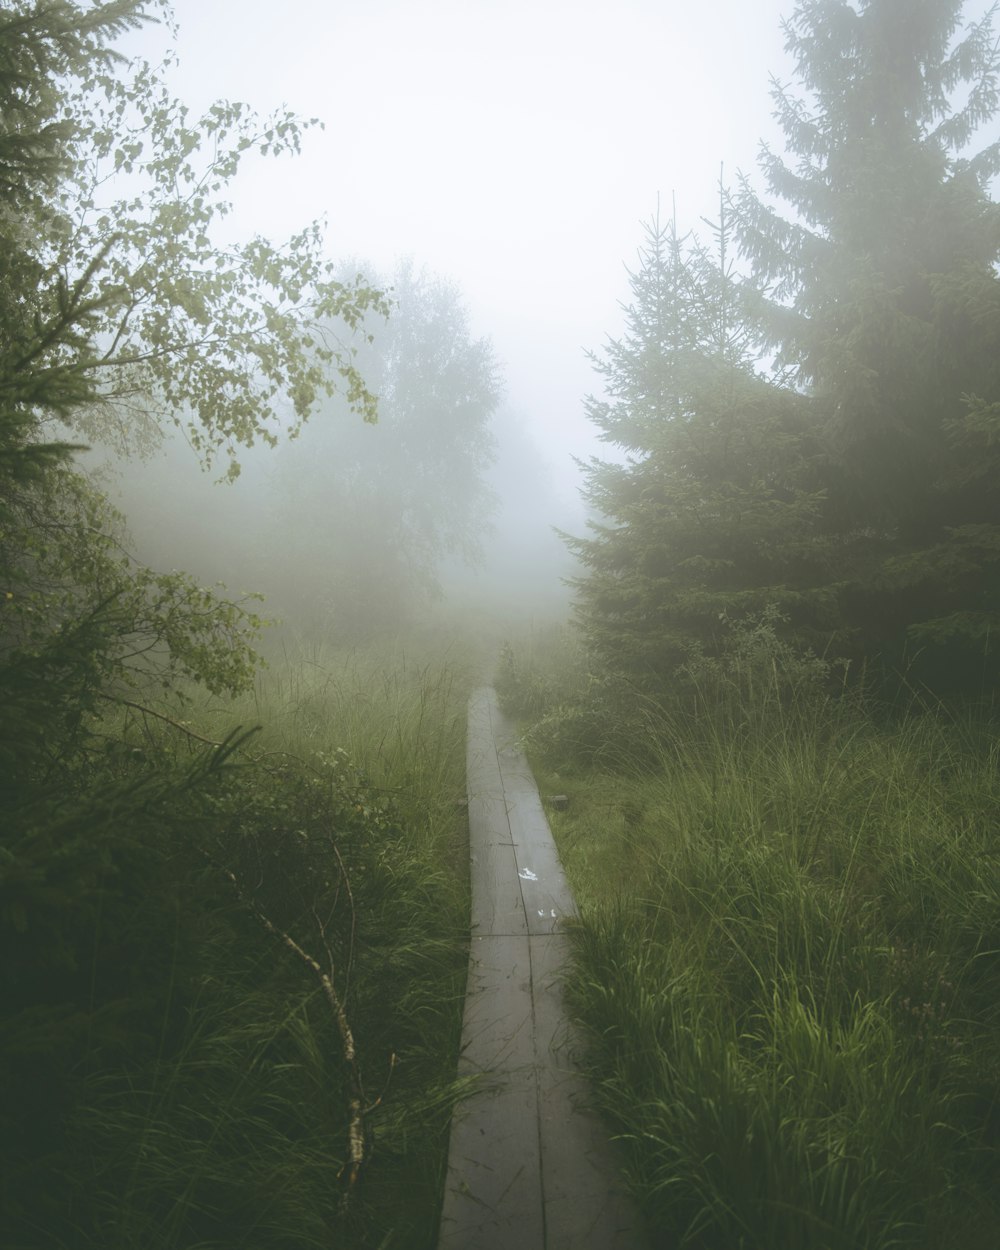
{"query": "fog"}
(512, 146)
(323, 575)
(511, 150)
(352, 529)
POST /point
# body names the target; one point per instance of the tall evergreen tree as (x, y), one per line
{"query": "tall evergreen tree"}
(885, 305)
(712, 505)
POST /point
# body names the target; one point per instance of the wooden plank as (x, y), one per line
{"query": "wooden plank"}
(544, 889)
(494, 1196)
(529, 1166)
(497, 903)
(585, 1200)
(546, 893)
(481, 749)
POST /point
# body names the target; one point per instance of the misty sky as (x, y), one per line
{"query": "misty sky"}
(512, 145)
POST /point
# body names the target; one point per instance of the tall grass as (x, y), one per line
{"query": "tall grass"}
(789, 964)
(399, 718)
(206, 1100)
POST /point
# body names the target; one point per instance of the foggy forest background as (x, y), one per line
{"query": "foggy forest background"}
(267, 517)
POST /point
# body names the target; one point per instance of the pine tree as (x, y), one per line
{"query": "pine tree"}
(712, 508)
(885, 306)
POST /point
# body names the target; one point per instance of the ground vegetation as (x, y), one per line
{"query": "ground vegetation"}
(232, 958)
(775, 722)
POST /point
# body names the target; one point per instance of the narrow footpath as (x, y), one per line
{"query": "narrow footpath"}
(529, 1167)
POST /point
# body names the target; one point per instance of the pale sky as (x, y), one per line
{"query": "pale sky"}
(513, 146)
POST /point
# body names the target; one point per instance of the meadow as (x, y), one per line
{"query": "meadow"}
(251, 1016)
(788, 955)
(787, 963)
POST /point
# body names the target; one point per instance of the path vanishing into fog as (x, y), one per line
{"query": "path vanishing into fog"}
(529, 1168)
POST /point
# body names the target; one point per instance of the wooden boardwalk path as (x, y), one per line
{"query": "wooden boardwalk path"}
(529, 1168)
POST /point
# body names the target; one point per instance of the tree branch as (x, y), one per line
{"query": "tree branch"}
(355, 1101)
(148, 711)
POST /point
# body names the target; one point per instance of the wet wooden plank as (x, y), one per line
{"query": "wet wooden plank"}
(585, 1200)
(498, 906)
(497, 903)
(530, 1166)
(494, 1197)
(544, 890)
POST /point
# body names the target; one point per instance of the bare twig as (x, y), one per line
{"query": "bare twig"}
(148, 711)
(355, 1103)
(354, 918)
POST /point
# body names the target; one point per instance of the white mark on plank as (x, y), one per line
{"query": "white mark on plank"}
(527, 875)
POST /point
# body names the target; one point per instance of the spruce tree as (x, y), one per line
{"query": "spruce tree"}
(881, 268)
(710, 509)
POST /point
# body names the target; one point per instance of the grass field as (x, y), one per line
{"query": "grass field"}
(251, 1020)
(788, 959)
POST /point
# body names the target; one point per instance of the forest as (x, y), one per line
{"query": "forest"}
(234, 896)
